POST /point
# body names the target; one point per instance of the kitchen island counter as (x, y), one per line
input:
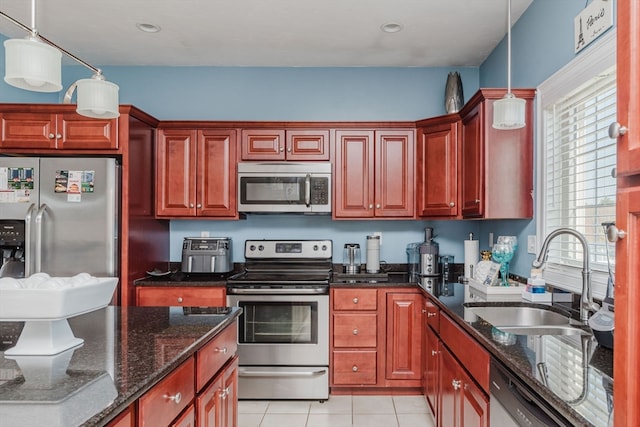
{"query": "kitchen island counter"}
(126, 351)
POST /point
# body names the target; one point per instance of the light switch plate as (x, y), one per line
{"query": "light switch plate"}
(531, 245)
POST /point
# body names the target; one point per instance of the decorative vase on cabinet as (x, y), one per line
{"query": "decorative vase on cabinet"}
(453, 94)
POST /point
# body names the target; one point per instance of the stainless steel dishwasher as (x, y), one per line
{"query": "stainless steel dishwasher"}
(513, 403)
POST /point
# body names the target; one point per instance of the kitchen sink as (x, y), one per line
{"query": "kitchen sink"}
(517, 316)
(544, 330)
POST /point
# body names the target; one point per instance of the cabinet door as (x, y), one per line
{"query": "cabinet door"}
(394, 173)
(448, 413)
(472, 164)
(474, 404)
(187, 419)
(354, 177)
(262, 144)
(216, 177)
(176, 169)
(308, 145)
(437, 176)
(230, 397)
(209, 406)
(431, 380)
(125, 419)
(84, 133)
(404, 338)
(29, 130)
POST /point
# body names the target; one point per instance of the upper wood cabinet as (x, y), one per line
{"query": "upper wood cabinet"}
(290, 144)
(64, 130)
(196, 173)
(496, 165)
(437, 171)
(374, 174)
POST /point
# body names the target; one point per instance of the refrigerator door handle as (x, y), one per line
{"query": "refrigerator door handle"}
(39, 217)
(28, 253)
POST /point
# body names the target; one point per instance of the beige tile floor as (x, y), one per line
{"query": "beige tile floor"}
(338, 411)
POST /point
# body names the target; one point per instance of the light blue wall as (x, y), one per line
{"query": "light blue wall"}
(542, 43)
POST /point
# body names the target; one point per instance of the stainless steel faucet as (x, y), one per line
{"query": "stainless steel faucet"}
(586, 299)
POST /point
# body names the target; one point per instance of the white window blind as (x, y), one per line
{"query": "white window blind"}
(576, 188)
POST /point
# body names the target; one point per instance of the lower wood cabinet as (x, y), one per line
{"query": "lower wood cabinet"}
(216, 405)
(187, 296)
(376, 340)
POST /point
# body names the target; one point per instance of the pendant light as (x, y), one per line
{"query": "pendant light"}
(509, 112)
(31, 64)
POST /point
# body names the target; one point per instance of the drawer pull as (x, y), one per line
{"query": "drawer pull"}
(456, 384)
(355, 332)
(176, 397)
(180, 299)
(222, 350)
(432, 314)
(355, 300)
(355, 368)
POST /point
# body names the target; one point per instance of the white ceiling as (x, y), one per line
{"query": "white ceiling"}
(306, 33)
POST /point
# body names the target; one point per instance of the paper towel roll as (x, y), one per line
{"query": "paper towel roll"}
(471, 257)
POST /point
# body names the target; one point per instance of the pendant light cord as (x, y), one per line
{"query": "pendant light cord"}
(509, 47)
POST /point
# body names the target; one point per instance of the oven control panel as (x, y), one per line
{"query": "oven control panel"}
(293, 249)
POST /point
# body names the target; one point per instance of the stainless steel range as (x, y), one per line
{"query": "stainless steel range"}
(283, 332)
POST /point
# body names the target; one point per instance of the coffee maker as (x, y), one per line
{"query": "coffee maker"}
(12, 245)
(429, 261)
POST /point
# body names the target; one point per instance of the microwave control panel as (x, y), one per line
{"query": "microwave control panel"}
(319, 191)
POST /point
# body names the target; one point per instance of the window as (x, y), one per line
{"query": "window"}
(576, 162)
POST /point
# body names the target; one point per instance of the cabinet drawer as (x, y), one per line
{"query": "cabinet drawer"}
(467, 350)
(215, 354)
(355, 330)
(354, 367)
(355, 299)
(181, 296)
(162, 404)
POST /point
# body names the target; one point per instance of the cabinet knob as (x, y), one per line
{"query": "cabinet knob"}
(190, 205)
(176, 397)
(180, 299)
(355, 332)
(355, 300)
(222, 350)
(431, 314)
(456, 384)
(378, 206)
(281, 149)
(224, 392)
(199, 205)
(451, 204)
(614, 233)
(51, 136)
(58, 136)
(434, 353)
(354, 368)
(424, 311)
(616, 130)
(477, 201)
(371, 206)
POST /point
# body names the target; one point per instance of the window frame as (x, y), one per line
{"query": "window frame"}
(593, 60)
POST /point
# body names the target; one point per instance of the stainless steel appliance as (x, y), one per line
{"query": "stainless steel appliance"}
(429, 261)
(283, 331)
(512, 403)
(207, 255)
(285, 187)
(351, 258)
(70, 212)
(12, 242)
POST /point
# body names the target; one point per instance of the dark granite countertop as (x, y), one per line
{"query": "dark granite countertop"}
(572, 373)
(123, 355)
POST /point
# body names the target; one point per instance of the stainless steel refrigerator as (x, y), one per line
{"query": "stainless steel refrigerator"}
(69, 207)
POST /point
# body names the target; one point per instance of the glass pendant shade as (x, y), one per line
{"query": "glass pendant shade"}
(509, 113)
(32, 65)
(97, 98)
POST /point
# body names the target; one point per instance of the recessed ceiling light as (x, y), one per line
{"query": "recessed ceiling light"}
(148, 28)
(391, 27)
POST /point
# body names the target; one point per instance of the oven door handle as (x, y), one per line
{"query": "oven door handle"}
(278, 291)
(247, 373)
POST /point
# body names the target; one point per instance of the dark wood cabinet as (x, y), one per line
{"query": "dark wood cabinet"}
(280, 144)
(374, 174)
(430, 357)
(496, 165)
(217, 405)
(196, 173)
(437, 172)
(404, 336)
(64, 130)
(186, 296)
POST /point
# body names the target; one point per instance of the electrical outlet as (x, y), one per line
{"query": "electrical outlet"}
(378, 233)
(490, 240)
(204, 234)
(531, 245)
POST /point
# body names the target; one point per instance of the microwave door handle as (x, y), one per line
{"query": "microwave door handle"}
(307, 190)
(28, 253)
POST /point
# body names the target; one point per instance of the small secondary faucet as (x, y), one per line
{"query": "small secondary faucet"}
(586, 299)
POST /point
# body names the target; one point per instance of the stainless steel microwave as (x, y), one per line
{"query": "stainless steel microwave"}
(284, 187)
